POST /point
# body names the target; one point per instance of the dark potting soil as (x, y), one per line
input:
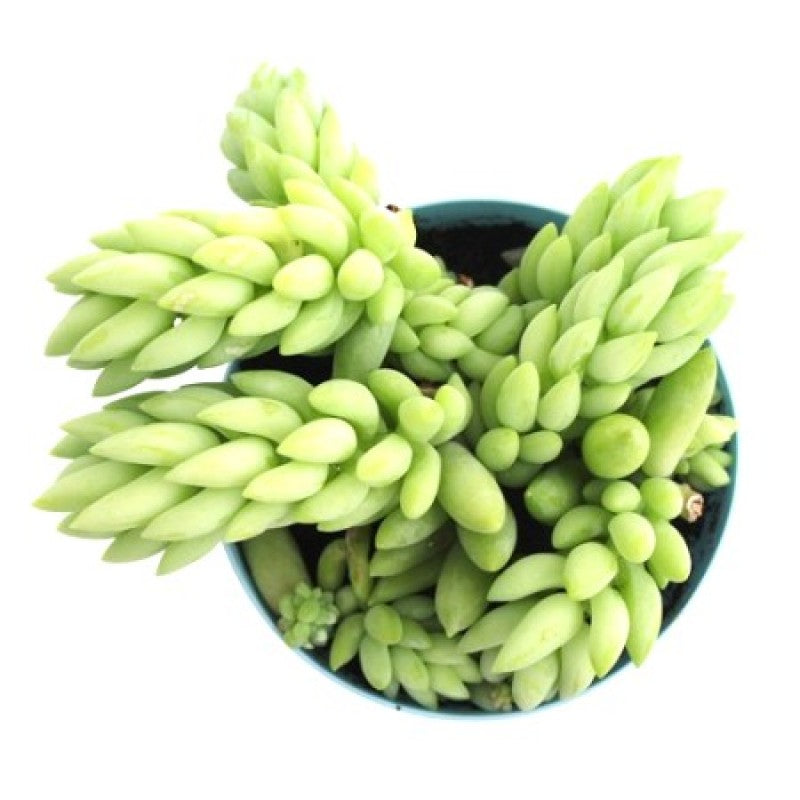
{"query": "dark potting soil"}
(475, 249)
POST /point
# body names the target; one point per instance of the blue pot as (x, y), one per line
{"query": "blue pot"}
(471, 233)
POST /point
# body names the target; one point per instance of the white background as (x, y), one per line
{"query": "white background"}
(115, 684)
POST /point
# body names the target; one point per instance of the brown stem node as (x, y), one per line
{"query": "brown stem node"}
(693, 503)
(428, 388)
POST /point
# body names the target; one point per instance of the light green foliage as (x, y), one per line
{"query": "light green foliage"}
(615, 446)
(588, 390)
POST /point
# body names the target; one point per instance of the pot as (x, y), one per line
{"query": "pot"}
(473, 234)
